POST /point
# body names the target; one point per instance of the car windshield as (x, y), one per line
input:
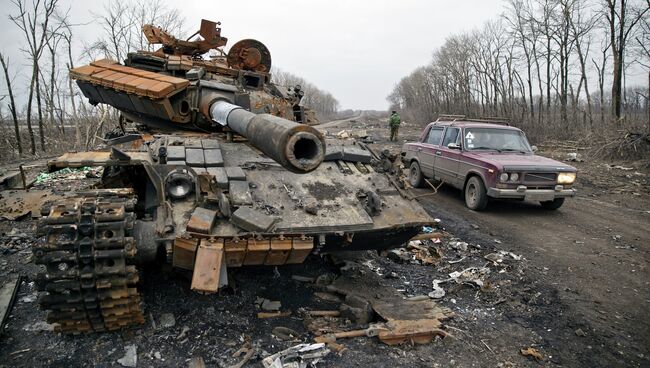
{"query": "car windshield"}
(501, 140)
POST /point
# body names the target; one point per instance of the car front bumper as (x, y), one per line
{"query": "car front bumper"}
(522, 192)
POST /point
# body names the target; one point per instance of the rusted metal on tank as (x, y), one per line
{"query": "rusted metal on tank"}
(279, 252)
(250, 55)
(256, 251)
(209, 32)
(300, 249)
(109, 74)
(297, 147)
(202, 220)
(184, 253)
(207, 266)
(235, 252)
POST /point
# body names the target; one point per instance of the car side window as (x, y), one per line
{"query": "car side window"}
(451, 136)
(435, 134)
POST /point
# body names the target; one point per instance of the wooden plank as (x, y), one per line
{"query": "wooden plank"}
(207, 266)
(427, 236)
(7, 299)
(417, 331)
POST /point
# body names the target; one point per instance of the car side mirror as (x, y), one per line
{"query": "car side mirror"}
(535, 149)
(453, 146)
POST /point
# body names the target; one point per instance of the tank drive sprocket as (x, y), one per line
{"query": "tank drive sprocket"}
(88, 252)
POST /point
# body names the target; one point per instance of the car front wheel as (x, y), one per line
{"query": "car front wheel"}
(553, 205)
(476, 198)
(415, 175)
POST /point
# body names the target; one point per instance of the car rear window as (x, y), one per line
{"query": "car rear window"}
(435, 134)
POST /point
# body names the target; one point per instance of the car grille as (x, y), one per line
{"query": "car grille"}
(540, 177)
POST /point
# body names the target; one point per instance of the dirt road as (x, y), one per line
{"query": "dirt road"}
(591, 252)
(592, 255)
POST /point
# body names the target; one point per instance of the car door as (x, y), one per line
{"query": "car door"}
(447, 159)
(427, 153)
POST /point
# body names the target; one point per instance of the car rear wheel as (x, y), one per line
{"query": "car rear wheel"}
(553, 205)
(415, 175)
(476, 198)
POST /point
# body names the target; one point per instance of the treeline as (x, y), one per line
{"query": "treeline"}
(50, 115)
(558, 68)
(325, 105)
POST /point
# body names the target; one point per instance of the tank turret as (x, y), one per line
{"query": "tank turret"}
(174, 89)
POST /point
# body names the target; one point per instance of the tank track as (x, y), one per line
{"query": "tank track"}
(88, 251)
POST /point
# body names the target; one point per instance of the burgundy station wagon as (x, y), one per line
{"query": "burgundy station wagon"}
(487, 160)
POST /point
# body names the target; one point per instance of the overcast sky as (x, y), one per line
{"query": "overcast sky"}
(357, 50)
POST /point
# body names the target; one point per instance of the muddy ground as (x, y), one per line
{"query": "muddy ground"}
(578, 295)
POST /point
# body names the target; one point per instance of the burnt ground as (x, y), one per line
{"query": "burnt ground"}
(578, 295)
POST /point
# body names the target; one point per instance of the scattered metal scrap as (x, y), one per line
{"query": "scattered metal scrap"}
(7, 299)
(299, 356)
(417, 321)
(15, 204)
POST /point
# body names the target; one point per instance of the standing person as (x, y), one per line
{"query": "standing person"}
(393, 122)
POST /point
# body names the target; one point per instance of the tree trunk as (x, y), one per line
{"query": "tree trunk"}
(29, 111)
(52, 88)
(12, 104)
(39, 107)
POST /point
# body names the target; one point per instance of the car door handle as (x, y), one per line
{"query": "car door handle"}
(438, 153)
(419, 149)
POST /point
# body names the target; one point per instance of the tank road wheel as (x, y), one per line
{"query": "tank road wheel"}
(476, 198)
(89, 279)
(415, 175)
(552, 205)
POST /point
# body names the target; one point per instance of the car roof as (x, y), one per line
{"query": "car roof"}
(472, 124)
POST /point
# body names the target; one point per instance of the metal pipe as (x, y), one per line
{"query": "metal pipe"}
(297, 147)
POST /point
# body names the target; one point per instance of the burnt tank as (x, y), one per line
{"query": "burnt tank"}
(213, 167)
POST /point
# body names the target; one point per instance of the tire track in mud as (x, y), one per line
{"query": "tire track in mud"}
(575, 263)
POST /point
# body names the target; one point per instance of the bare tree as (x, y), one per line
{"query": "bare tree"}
(50, 83)
(520, 25)
(320, 101)
(122, 21)
(12, 102)
(622, 17)
(642, 57)
(67, 36)
(581, 28)
(33, 20)
(535, 67)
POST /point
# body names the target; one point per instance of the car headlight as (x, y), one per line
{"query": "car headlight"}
(179, 184)
(504, 177)
(514, 177)
(566, 178)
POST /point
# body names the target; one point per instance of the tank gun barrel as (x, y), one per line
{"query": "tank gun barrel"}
(297, 147)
